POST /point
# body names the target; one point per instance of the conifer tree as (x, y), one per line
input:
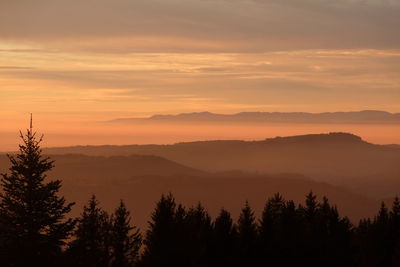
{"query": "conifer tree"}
(270, 219)
(383, 215)
(312, 232)
(125, 239)
(91, 247)
(335, 236)
(161, 236)
(311, 207)
(278, 231)
(198, 230)
(395, 213)
(224, 237)
(247, 237)
(289, 234)
(224, 229)
(33, 223)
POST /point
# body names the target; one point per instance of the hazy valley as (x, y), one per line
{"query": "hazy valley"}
(353, 174)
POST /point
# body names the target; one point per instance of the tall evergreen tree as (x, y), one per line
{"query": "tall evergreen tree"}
(270, 219)
(278, 232)
(91, 247)
(224, 237)
(125, 239)
(32, 215)
(311, 207)
(335, 237)
(247, 238)
(161, 236)
(311, 234)
(289, 231)
(395, 214)
(198, 229)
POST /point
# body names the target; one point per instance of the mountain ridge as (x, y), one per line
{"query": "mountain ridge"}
(337, 158)
(363, 116)
(341, 137)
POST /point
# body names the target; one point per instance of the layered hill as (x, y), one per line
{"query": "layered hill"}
(99, 169)
(338, 158)
(140, 181)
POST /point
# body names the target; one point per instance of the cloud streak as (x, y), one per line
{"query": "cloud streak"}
(202, 26)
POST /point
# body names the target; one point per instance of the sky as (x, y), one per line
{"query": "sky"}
(76, 62)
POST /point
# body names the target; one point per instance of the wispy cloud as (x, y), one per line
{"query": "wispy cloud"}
(123, 26)
(14, 68)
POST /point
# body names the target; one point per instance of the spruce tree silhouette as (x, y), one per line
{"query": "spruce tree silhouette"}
(395, 212)
(224, 238)
(311, 242)
(199, 233)
(247, 238)
(32, 215)
(289, 229)
(125, 239)
(382, 236)
(276, 230)
(335, 236)
(91, 247)
(161, 243)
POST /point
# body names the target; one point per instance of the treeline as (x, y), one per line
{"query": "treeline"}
(35, 230)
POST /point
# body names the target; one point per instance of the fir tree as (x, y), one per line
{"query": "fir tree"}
(125, 239)
(198, 230)
(382, 219)
(91, 247)
(34, 228)
(161, 236)
(278, 232)
(270, 219)
(310, 210)
(335, 236)
(312, 231)
(247, 237)
(395, 213)
(224, 236)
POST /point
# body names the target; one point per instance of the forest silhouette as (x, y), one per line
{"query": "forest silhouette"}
(35, 229)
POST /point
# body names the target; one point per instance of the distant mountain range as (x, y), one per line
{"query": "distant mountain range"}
(336, 158)
(356, 117)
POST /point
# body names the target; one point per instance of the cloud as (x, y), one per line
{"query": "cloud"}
(202, 26)
(14, 68)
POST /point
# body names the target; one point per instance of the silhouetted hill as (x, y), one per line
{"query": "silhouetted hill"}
(365, 116)
(337, 158)
(140, 180)
(82, 168)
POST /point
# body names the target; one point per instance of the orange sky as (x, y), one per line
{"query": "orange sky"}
(77, 62)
